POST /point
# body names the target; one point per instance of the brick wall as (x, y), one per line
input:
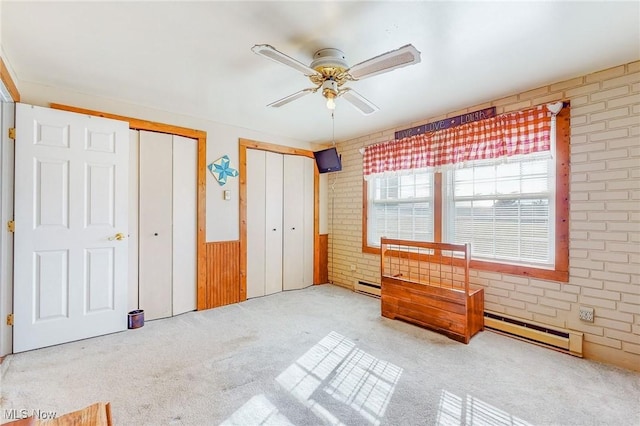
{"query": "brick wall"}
(604, 223)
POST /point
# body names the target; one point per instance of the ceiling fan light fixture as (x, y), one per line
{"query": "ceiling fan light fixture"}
(331, 103)
(329, 71)
(330, 91)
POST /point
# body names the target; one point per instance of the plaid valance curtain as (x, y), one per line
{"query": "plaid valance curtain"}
(506, 135)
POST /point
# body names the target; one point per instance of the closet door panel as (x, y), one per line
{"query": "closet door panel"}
(273, 179)
(293, 249)
(132, 299)
(308, 220)
(155, 229)
(256, 216)
(185, 159)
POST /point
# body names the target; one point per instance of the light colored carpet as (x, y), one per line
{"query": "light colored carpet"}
(322, 355)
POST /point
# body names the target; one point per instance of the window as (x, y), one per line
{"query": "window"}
(505, 210)
(401, 207)
(514, 211)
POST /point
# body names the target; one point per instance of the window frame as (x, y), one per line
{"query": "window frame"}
(450, 207)
(406, 201)
(560, 271)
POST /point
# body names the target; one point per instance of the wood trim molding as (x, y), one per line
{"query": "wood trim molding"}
(263, 146)
(245, 144)
(242, 182)
(5, 76)
(563, 177)
(202, 223)
(136, 123)
(201, 136)
(365, 220)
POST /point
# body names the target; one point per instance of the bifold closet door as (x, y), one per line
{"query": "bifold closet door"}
(132, 239)
(185, 226)
(166, 200)
(274, 226)
(256, 223)
(264, 223)
(308, 220)
(155, 224)
(297, 262)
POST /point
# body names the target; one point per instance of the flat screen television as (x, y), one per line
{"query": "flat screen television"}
(328, 160)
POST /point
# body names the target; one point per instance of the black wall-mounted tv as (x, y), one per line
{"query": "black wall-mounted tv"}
(328, 160)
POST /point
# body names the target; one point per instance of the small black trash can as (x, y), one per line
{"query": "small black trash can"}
(136, 318)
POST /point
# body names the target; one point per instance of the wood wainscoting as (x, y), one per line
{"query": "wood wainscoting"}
(323, 259)
(222, 283)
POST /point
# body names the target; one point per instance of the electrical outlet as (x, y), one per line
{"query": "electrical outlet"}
(353, 267)
(586, 314)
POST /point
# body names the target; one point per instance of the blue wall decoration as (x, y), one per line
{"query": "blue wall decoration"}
(221, 169)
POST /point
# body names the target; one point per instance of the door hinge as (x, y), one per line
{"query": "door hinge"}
(12, 133)
(11, 226)
(10, 319)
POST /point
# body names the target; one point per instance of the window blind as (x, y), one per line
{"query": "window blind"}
(401, 207)
(505, 210)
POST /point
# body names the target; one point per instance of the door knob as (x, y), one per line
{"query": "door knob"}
(119, 236)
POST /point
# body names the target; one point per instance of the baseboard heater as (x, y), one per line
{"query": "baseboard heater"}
(370, 289)
(566, 341)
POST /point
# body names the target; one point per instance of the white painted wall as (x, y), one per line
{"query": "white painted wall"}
(222, 216)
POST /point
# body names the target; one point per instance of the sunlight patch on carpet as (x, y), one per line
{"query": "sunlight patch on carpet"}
(454, 410)
(257, 411)
(336, 367)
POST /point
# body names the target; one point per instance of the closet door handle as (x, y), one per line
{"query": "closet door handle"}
(273, 229)
(293, 229)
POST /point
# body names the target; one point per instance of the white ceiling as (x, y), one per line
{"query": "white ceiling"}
(195, 58)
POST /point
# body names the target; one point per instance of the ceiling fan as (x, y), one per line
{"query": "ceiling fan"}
(329, 72)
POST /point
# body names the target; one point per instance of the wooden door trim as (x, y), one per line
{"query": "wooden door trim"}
(245, 144)
(201, 137)
(5, 76)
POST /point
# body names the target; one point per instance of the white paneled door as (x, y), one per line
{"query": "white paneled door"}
(71, 213)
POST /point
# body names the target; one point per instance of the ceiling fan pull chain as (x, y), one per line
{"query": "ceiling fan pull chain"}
(333, 128)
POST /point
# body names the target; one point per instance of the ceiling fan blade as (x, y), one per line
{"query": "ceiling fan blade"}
(291, 98)
(357, 100)
(406, 55)
(270, 52)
